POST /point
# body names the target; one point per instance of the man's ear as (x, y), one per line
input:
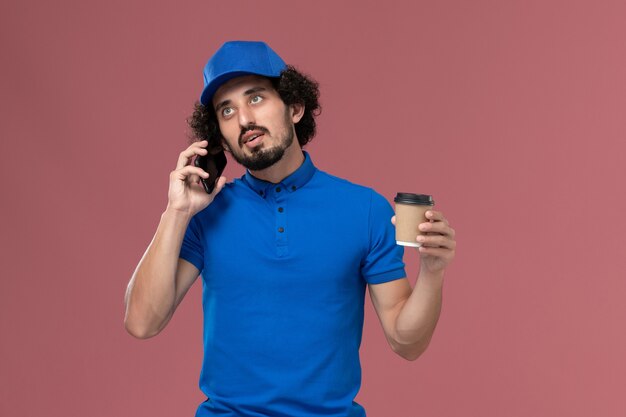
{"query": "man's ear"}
(297, 111)
(224, 145)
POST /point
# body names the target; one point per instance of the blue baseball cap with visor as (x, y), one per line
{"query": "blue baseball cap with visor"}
(238, 58)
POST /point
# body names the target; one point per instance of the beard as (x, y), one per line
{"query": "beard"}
(262, 158)
(265, 158)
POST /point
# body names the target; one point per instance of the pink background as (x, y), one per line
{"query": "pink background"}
(510, 113)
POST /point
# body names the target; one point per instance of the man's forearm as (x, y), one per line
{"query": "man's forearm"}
(416, 321)
(151, 292)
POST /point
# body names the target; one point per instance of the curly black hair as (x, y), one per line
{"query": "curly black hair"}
(292, 86)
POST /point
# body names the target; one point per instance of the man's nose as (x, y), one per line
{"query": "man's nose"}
(246, 116)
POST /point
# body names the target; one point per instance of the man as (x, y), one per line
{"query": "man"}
(285, 253)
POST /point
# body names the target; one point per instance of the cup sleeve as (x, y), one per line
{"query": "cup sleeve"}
(383, 258)
(192, 249)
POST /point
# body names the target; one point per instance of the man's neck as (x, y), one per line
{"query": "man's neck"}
(288, 164)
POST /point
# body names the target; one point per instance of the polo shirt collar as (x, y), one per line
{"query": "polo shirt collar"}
(293, 182)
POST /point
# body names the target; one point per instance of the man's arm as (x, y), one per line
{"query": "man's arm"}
(409, 317)
(161, 279)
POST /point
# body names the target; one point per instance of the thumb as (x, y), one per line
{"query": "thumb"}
(221, 181)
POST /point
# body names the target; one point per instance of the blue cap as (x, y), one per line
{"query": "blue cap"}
(237, 58)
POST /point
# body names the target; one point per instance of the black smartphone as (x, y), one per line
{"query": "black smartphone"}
(214, 164)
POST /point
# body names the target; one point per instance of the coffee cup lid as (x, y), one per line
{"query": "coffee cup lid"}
(410, 198)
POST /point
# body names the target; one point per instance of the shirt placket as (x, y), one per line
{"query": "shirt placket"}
(280, 225)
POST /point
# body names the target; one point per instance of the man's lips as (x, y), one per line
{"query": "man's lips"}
(255, 141)
(250, 135)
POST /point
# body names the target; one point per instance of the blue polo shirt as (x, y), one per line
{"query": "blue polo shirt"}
(284, 269)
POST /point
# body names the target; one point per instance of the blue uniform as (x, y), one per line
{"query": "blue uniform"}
(284, 269)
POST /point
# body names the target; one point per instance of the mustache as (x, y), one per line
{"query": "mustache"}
(249, 128)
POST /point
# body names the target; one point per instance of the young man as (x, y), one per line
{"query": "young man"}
(285, 253)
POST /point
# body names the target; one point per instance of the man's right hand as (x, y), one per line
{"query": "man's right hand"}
(186, 194)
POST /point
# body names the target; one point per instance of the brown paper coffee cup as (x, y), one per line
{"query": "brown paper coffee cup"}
(410, 212)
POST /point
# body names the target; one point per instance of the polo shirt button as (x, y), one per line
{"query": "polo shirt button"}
(278, 189)
(280, 229)
(280, 209)
(293, 188)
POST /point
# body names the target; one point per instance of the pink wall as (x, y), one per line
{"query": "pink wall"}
(510, 113)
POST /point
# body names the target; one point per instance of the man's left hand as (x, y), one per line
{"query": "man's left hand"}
(438, 244)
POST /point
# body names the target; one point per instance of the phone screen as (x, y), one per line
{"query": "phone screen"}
(214, 164)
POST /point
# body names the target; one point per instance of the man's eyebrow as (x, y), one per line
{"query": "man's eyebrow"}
(254, 90)
(245, 93)
(222, 104)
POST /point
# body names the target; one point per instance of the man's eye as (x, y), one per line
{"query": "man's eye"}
(256, 99)
(227, 111)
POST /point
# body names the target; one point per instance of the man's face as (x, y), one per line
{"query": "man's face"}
(256, 124)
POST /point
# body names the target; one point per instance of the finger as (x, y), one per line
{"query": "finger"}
(393, 220)
(438, 252)
(196, 186)
(196, 148)
(436, 241)
(435, 216)
(221, 181)
(185, 172)
(437, 227)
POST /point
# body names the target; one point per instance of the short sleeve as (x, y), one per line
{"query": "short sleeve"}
(383, 260)
(192, 249)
